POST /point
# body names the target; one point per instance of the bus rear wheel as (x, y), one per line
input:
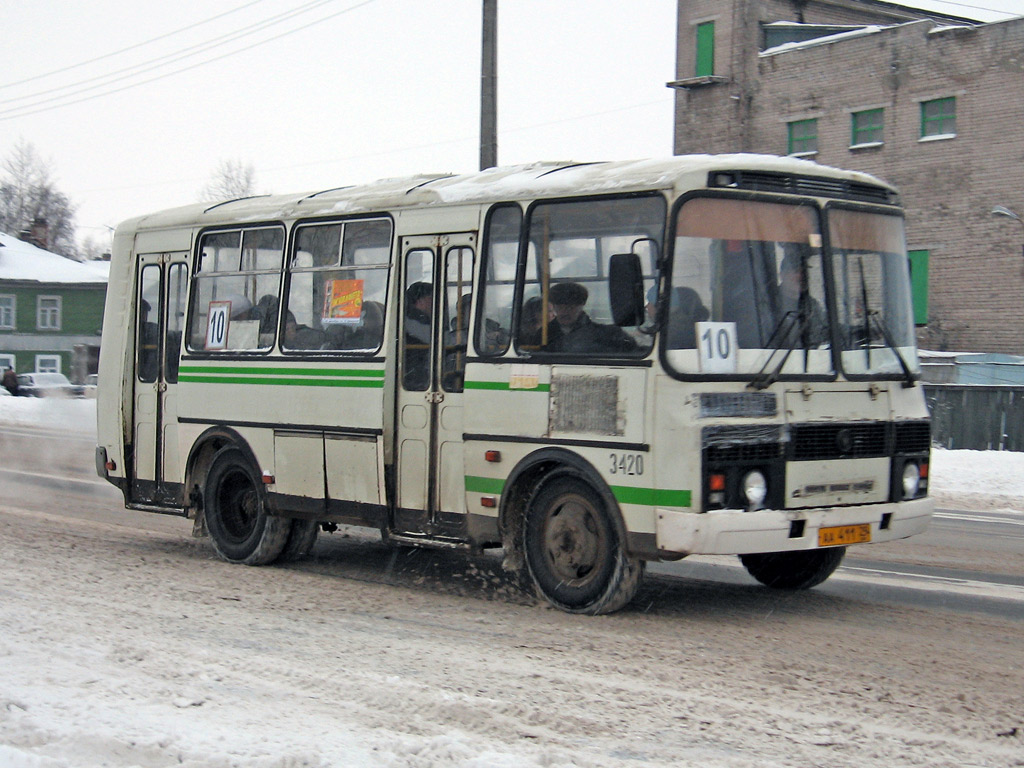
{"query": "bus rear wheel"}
(572, 549)
(801, 569)
(236, 516)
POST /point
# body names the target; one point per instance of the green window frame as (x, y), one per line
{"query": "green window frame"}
(938, 117)
(705, 49)
(866, 127)
(918, 262)
(802, 137)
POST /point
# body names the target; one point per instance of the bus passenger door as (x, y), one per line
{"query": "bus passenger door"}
(160, 317)
(436, 286)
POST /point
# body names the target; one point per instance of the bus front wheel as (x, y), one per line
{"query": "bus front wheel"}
(573, 551)
(801, 569)
(236, 516)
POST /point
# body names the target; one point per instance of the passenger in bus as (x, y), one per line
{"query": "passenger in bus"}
(531, 323)
(799, 320)
(685, 311)
(456, 342)
(573, 331)
(419, 303)
(266, 312)
(241, 307)
(298, 336)
(370, 331)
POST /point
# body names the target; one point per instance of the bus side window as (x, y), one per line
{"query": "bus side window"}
(501, 252)
(338, 286)
(177, 277)
(237, 267)
(458, 301)
(148, 324)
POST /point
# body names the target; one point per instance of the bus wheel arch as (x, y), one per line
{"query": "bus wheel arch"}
(197, 466)
(229, 502)
(564, 533)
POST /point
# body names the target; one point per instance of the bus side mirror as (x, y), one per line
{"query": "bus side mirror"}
(626, 289)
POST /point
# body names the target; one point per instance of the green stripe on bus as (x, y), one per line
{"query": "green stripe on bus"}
(645, 497)
(650, 497)
(269, 371)
(299, 382)
(504, 386)
(484, 485)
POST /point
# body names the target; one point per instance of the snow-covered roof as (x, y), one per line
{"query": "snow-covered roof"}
(825, 40)
(23, 261)
(534, 181)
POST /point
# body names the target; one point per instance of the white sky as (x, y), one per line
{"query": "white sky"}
(348, 92)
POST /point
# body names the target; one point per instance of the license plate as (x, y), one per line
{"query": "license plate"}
(841, 535)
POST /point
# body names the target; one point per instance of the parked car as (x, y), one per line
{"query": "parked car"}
(90, 385)
(48, 385)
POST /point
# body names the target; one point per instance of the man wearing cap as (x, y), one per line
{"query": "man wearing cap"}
(572, 330)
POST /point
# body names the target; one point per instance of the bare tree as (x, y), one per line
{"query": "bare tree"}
(93, 249)
(232, 179)
(31, 206)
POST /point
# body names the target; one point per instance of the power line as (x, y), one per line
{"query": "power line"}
(972, 7)
(129, 48)
(126, 73)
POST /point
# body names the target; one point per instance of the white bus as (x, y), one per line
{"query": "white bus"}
(590, 366)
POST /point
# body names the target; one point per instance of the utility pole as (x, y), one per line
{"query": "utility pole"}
(489, 87)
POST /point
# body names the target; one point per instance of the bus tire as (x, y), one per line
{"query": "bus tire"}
(573, 550)
(801, 569)
(236, 515)
(301, 539)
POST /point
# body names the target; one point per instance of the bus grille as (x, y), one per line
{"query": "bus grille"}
(913, 437)
(833, 441)
(735, 444)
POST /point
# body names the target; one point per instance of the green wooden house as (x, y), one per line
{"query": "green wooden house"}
(51, 310)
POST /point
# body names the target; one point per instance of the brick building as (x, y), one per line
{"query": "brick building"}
(930, 102)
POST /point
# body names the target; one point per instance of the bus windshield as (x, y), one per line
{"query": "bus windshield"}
(872, 290)
(748, 293)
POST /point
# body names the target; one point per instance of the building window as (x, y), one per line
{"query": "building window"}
(48, 313)
(705, 49)
(866, 127)
(47, 363)
(938, 118)
(7, 361)
(803, 137)
(7, 306)
(919, 285)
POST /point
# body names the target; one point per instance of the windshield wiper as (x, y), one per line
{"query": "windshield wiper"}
(908, 375)
(782, 330)
(872, 315)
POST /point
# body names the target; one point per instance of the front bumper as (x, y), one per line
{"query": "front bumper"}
(738, 532)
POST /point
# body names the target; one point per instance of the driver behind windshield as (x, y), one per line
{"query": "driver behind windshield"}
(799, 316)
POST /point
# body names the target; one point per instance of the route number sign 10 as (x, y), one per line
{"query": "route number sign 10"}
(716, 347)
(217, 325)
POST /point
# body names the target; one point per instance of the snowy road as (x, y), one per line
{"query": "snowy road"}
(127, 643)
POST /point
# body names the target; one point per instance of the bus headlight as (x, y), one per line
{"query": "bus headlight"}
(911, 479)
(755, 489)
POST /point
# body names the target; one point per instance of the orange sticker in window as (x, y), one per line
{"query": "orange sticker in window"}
(343, 302)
